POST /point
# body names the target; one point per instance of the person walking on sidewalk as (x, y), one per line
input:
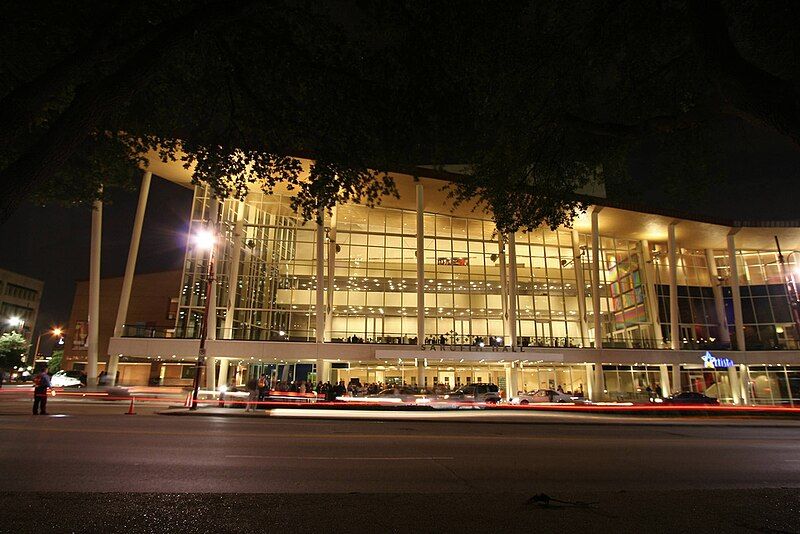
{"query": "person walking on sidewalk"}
(40, 384)
(252, 397)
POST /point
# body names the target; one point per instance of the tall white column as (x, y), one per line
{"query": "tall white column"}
(588, 392)
(501, 255)
(94, 294)
(420, 266)
(133, 252)
(233, 273)
(512, 290)
(580, 290)
(599, 383)
(651, 295)
(744, 384)
(510, 387)
(738, 322)
(420, 372)
(719, 301)
(676, 378)
(223, 372)
(323, 373)
(331, 274)
(320, 305)
(130, 270)
(733, 380)
(674, 316)
(598, 324)
(664, 378)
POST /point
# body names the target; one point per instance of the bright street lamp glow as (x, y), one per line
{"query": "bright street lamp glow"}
(16, 321)
(204, 239)
(57, 331)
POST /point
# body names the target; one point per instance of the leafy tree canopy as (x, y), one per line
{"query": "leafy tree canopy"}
(54, 363)
(12, 349)
(540, 97)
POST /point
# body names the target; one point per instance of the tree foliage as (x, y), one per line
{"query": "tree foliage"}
(540, 97)
(54, 363)
(12, 349)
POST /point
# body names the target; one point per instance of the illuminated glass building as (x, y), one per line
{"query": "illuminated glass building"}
(412, 291)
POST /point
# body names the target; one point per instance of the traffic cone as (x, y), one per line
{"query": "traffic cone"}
(131, 410)
(188, 403)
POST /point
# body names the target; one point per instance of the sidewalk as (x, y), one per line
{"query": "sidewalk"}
(486, 416)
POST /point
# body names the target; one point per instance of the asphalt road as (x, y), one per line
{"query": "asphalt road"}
(145, 453)
(395, 476)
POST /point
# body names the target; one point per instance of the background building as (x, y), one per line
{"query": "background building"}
(151, 313)
(19, 302)
(418, 291)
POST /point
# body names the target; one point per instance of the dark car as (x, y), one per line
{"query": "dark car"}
(691, 397)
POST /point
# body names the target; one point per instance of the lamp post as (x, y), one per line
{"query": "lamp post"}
(55, 332)
(204, 240)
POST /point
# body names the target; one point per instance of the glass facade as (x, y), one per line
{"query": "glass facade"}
(266, 283)
(272, 254)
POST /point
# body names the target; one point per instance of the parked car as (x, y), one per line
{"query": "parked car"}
(393, 395)
(477, 392)
(65, 379)
(690, 397)
(542, 395)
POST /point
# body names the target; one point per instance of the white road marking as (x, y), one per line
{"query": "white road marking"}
(365, 458)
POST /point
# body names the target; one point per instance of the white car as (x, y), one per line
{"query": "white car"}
(62, 380)
(542, 395)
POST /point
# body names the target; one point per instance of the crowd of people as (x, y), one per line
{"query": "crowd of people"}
(260, 388)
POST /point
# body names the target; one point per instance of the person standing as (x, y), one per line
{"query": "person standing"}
(40, 384)
(262, 387)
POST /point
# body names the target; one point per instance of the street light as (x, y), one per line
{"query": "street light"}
(55, 332)
(204, 240)
(18, 322)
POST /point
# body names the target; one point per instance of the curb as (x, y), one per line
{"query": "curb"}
(633, 421)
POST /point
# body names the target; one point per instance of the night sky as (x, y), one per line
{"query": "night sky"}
(52, 243)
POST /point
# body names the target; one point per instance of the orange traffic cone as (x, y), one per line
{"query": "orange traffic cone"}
(131, 410)
(188, 403)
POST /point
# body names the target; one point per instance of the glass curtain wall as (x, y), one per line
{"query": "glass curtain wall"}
(463, 303)
(275, 275)
(547, 289)
(625, 319)
(699, 325)
(375, 284)
(766, 305)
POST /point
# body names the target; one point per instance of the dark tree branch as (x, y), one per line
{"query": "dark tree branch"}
(693, 118)
(748, 91)
(19, 108)
(96, 100)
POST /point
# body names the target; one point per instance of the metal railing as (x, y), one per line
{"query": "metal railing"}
(460, 342)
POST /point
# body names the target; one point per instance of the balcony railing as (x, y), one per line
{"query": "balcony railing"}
(135, 330)
(459, 342)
